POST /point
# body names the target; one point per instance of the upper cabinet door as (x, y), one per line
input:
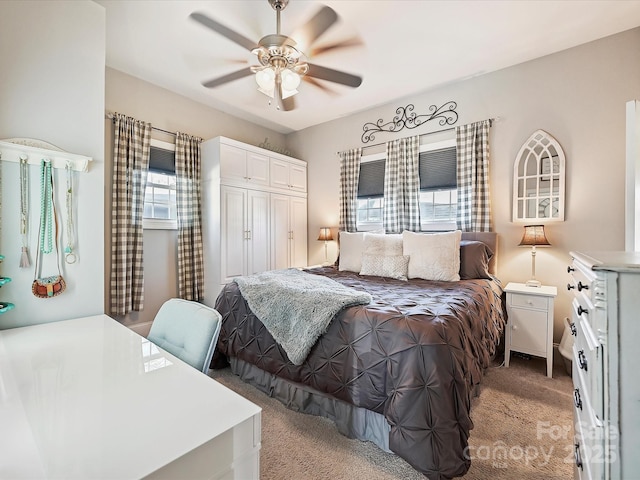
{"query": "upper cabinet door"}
(233, 163)
(298, 177)
(538, 180)
(239, 167)
(257, 169)
(288, 176)
(279, 174)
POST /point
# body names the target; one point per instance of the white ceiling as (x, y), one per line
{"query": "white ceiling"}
(407, 46)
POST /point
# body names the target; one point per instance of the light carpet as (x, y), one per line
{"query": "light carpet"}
(523, 429)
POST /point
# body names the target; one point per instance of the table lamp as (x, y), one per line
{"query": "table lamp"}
(533, 236)
(326, 236)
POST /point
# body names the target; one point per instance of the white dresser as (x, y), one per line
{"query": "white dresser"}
(606, 324)
(254, 212)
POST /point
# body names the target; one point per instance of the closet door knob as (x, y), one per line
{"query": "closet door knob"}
(582, 310)
(569, 286)
(570, 269)
(582, 287)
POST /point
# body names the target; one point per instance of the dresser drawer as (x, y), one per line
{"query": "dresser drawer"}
(582, 279)
(528, 301)
(589, 430)
(588, 361)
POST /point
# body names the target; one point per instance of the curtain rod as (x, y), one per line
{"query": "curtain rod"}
(424, 134)
(110, 116)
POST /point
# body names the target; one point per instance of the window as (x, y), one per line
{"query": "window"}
(438, 188)
(160, 210)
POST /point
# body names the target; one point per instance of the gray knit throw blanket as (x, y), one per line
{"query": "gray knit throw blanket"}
(297, 307)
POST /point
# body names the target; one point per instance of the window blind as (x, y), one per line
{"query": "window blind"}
(371, 182)
(162, 161)
(438, 169)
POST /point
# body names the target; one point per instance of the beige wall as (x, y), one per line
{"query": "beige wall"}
(578, 96)
(166, 110)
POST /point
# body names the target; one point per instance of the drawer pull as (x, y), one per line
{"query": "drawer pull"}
(574, 330)
(582, 310)
(582, 360)
(577, 401)
(582, 286)
(577, 455)
(569, 286)
(570, 269)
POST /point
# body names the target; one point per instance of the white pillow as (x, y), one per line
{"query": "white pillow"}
(392, 266)
(433, 256)
(381, 244)
(351, 246)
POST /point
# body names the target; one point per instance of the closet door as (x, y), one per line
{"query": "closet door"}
(233, 233)
(258, 232)
(298, 229)
(280, 232)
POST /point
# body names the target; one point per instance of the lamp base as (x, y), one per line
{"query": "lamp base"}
(533, 283)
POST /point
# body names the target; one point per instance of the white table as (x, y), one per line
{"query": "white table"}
(88, 398)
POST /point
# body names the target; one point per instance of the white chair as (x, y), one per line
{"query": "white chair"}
(188, 330)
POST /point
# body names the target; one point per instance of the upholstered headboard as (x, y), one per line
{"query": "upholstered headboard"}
(491, 239)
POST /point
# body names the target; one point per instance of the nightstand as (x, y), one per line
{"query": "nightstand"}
(530, 322)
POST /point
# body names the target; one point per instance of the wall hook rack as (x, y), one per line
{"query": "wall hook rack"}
(32, 150)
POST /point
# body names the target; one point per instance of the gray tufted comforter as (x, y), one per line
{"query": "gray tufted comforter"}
(414, 355)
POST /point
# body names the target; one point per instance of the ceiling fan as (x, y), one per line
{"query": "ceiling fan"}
(281, 66)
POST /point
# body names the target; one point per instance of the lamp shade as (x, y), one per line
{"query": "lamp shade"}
(325, 234)
(534, 236)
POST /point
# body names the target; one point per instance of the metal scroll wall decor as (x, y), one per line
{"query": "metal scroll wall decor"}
(407, 118)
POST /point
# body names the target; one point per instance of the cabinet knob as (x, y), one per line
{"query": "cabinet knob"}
(570, 269)
(574, 330)
(577, 401)
(582, 360)
(581, 286)
(569, 286)
(582, 310)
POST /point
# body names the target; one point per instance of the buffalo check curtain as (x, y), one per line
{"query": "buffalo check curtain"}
(349, 176)
(130, 166)
(401, 209)
(188, 196)
(474, 205)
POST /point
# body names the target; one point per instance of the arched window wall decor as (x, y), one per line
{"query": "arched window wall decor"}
(539, 180)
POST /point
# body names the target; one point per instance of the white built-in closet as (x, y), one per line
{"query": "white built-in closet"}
(254, 212)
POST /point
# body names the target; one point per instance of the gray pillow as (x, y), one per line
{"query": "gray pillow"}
(474, 259)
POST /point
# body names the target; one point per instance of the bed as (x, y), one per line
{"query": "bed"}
(400, 371)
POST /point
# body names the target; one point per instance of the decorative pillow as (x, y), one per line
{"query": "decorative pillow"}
(392, 266)
(351, 246)
(381, 244)
(433, 256)
(474, 259)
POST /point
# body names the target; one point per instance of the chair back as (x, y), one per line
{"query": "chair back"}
(188, 330)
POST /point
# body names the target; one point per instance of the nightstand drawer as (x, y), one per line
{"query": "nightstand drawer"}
(528, 301)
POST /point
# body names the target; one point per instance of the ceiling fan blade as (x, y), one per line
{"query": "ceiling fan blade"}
(315, 27)
(216, 82)
(335, 76)
(289, 103)
(349, 43)
(318, 84)
(224, 31)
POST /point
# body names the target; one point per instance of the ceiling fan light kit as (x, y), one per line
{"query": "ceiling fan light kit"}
(282, 66)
